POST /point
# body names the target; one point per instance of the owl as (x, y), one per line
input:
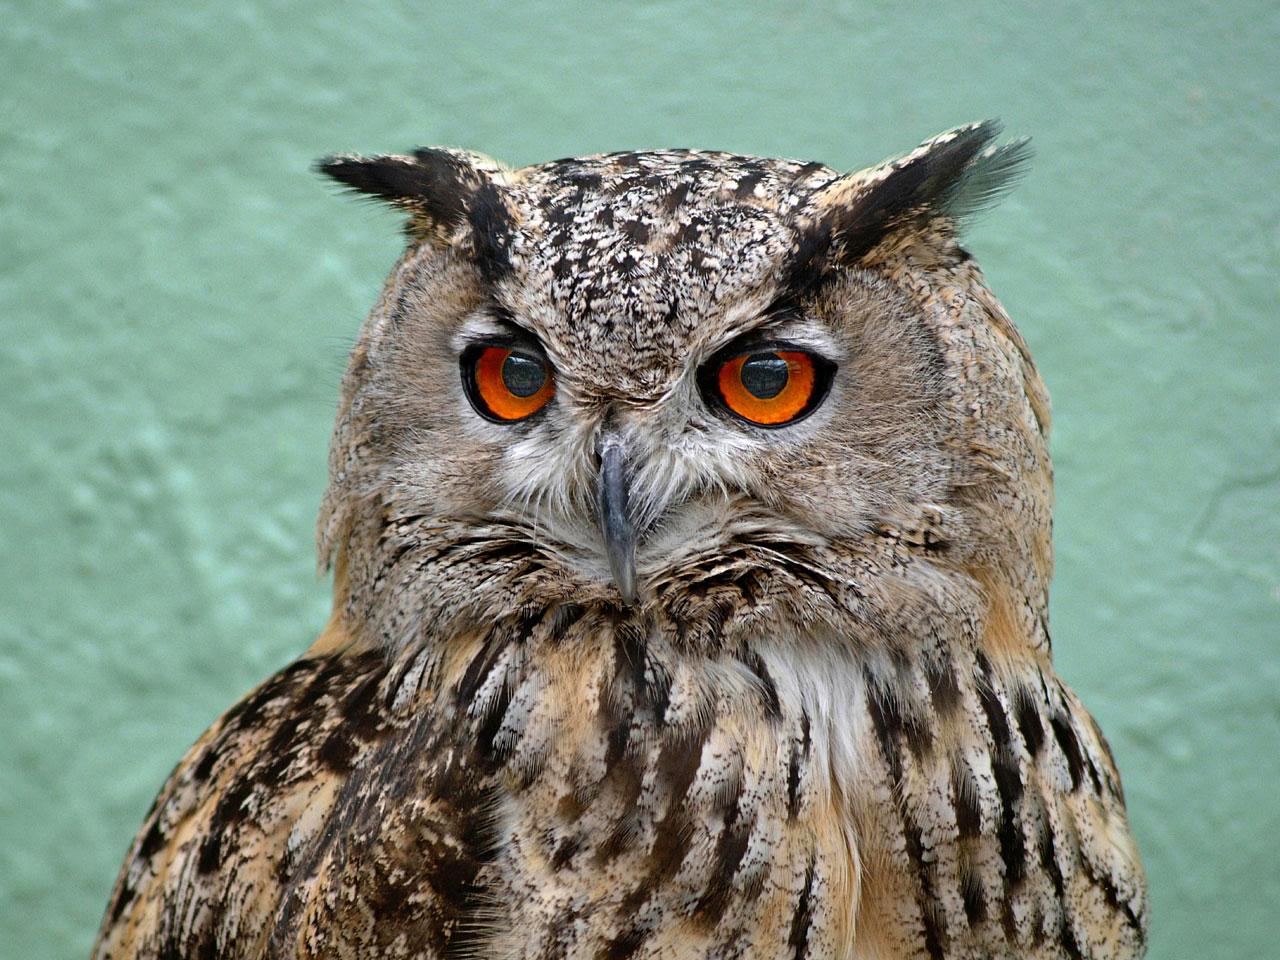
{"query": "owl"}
(689, 520)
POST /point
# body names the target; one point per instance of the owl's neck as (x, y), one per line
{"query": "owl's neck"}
(411, 581)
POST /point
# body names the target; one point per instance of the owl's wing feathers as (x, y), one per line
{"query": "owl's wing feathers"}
(262, 809)
(198, 877)
(1001, 816)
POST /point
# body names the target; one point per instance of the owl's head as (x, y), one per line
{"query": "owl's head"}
(717, 389)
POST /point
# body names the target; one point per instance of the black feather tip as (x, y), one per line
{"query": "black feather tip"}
(954, 176)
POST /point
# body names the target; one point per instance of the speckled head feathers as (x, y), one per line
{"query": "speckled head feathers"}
(667, 214)
(634, 251)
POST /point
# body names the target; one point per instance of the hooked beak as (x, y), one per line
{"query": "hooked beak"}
(612, 492)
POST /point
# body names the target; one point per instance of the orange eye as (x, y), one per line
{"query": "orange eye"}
(772, 388)
(504, 384)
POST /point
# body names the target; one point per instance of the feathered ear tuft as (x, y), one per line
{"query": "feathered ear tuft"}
(441, 189)
(950, 177)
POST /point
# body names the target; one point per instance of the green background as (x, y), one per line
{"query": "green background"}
(178, 293)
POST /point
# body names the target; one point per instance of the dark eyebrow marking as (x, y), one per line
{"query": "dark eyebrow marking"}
(809, 266)
(513, 333)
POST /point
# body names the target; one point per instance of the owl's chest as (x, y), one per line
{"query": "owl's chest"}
(680, 809)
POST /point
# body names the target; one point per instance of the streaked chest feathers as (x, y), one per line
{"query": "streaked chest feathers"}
(569, 786)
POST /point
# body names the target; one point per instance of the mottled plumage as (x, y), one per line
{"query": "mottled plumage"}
(823, 723)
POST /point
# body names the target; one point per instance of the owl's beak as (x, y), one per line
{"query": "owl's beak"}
(613, 510)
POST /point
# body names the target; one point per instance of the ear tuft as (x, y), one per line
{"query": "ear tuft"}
(988, 177)
(950, 177)
(436, 186)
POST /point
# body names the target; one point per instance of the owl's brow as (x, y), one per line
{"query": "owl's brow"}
(490, 321)
(786, 322)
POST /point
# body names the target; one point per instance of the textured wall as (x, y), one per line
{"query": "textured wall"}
(177, 294)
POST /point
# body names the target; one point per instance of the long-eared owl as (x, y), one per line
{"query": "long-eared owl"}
(689, 519)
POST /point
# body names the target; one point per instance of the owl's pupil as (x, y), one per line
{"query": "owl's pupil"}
(523, 376)
(764, 375)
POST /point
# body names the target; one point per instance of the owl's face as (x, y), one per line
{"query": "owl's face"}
(639, 366)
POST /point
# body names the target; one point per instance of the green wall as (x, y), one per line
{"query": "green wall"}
(178, 292)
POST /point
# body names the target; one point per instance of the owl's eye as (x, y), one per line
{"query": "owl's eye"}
(771, 386)
(505, 384)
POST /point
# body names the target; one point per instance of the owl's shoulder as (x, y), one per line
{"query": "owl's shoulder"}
(249, 812)
(999, 812)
